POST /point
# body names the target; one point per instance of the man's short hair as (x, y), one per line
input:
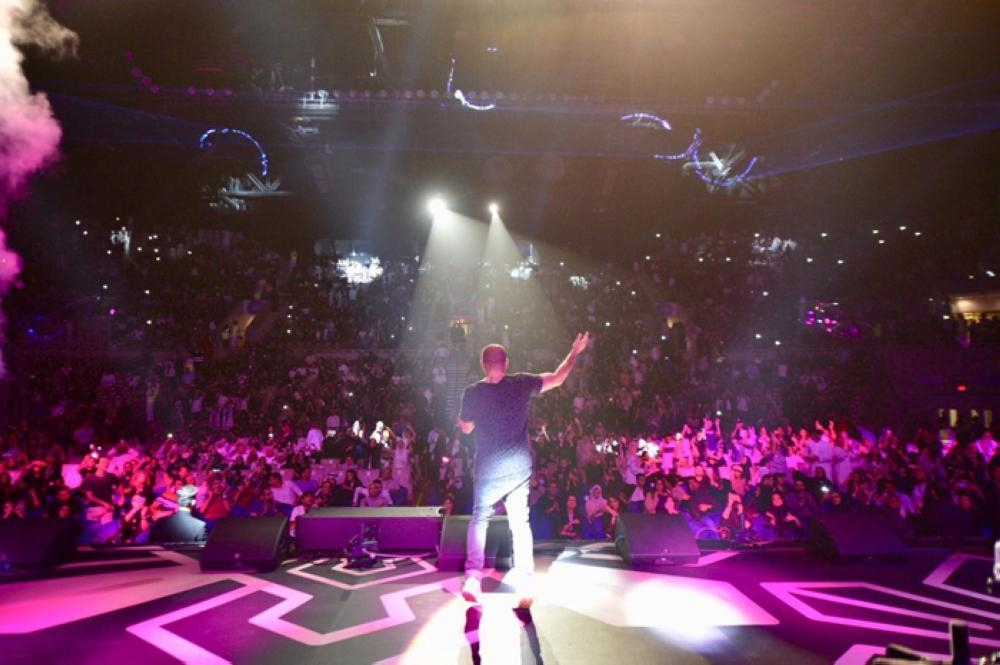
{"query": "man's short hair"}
(494, 355)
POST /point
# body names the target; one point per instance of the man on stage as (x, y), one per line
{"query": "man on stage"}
(497, 407)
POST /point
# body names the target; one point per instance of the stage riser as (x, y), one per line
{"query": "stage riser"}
(399, 529)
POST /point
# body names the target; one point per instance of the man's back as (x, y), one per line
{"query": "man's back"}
(500, 412)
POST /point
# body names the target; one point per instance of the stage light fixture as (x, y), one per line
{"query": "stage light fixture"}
(436, 206)
(494, 208)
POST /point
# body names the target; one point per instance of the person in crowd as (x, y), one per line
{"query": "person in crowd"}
(637, 494)
(651, 503)
(64, 503)
(373, 496)
(245, 496)
(216, 504)
(286, 493)
(306, 503)
(801, 502)
(305, 482)
(780, 522)
(98, 489)
(611, 516)
(325, 495)
(401, 464)
(546, 513)
(265, 505)
(702, 506)
(137, 522)
(595, 507)
(834, 502)
(571, 518)
(735, 524)
(398, 494)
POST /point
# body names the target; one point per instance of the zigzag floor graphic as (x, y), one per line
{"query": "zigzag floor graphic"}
(321, 610)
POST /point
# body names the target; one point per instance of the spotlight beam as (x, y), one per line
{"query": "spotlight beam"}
(436, 206)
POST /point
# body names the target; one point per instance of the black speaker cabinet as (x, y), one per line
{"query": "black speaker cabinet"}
(858, 534)
(499, 545)
(248, 543)
(651, 540)
(34, 546)
(181, 528)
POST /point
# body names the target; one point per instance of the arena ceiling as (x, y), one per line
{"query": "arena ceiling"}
(853, 108)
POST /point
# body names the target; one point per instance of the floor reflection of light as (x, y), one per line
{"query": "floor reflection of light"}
(672, 602)
(669, 602)
(681, 610)
(440, 639)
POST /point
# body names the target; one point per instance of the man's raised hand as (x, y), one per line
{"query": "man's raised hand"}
(581, 342)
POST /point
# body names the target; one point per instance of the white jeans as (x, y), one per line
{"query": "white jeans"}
(516, 503)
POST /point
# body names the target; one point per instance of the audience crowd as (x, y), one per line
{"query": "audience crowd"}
(700, 396)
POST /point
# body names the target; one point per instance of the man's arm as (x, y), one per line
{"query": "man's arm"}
(466, 410)
(93, 499)
(555, 379)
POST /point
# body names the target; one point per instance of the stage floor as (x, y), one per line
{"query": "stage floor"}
(153, 606)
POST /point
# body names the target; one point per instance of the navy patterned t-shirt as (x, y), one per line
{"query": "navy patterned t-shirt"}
(500, 412)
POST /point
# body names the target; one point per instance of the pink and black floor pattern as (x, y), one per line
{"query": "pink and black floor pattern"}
(154, 606)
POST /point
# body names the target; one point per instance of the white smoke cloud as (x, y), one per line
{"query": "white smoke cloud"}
(29, 133)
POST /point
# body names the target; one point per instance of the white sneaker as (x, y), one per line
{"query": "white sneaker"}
(472, 589)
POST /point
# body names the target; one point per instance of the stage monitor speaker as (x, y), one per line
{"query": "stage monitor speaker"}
(499, 546)
(180, 529)
(32, 546)
(652, 540)
(396, 528)
(245, 543)
(858, 534)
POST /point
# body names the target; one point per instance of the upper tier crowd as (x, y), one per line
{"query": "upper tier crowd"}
(105, 284)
